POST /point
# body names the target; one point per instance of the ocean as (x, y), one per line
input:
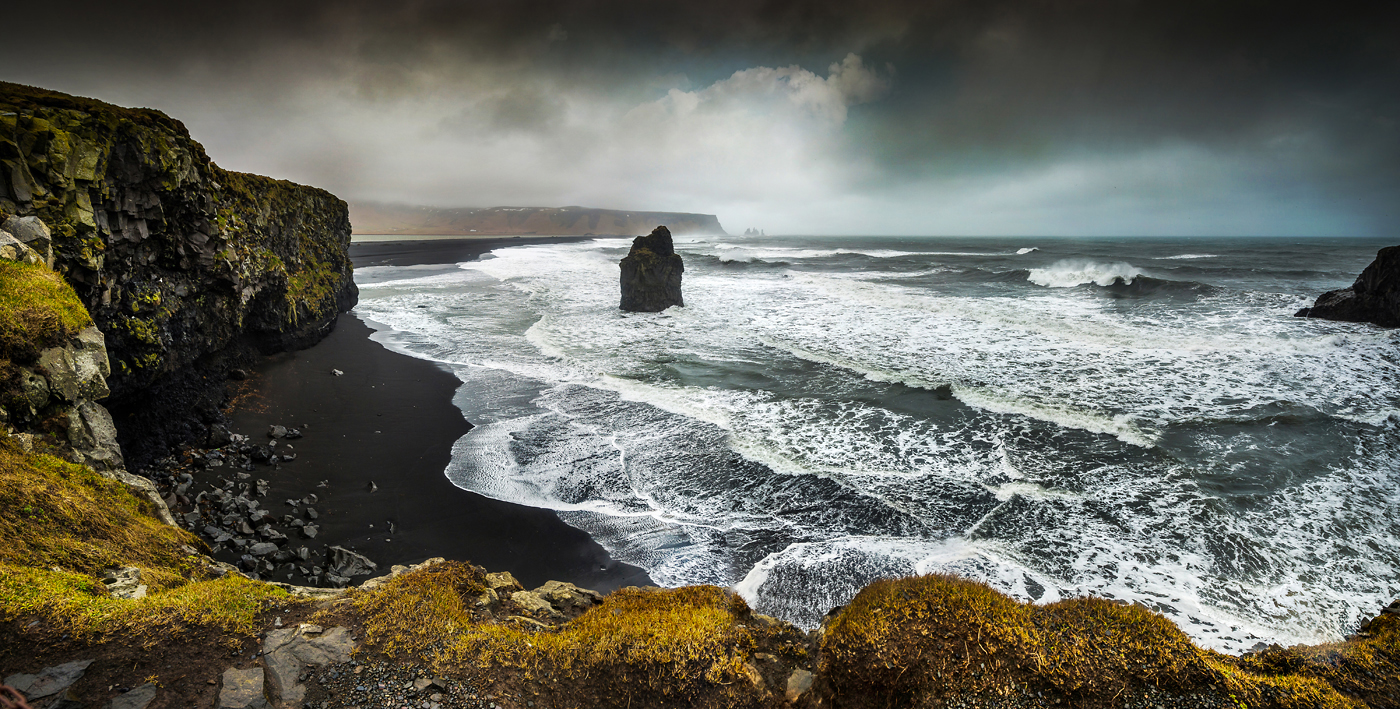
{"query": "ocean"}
(1137, 419)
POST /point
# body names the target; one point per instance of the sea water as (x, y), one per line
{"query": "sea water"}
(1136, 419)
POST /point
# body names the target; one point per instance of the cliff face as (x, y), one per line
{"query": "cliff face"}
(188, 269)
(510, 221)
(1373, 298)
(651, 274)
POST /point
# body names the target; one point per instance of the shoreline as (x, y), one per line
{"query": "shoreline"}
(429, 250)
(390, 420)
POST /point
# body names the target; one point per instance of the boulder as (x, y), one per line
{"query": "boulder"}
(33, 233)
(503, 582)
(138, 698)
(12, 249)
(567, 598)
(48, 681)
(243, 689)
(534, 603)
(287, 653)
(124, 582)
(143, 488)
(651, 274)
(93, 436)
(343, 562)
(798, 684)
(1374, 297)
(79, 370)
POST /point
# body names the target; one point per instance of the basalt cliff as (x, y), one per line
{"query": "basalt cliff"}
(187, 269)
(1374, 297)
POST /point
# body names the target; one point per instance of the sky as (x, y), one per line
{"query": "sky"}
(955, 117)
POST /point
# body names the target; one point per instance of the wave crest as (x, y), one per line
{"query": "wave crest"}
(1067, 273)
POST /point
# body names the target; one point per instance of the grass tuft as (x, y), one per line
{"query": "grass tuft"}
(38, 309)
(65, 524)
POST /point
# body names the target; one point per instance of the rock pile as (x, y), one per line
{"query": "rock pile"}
(651, 274)
(1374, 297)
(217, 493)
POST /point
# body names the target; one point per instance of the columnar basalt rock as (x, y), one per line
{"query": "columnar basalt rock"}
(651, 274)
(188, 269)
(1373, 298)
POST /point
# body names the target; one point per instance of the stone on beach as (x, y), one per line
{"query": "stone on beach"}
(344, 562)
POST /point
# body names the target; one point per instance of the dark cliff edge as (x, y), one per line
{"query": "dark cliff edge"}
(651, 274)
(189, 270)
(1374, 297)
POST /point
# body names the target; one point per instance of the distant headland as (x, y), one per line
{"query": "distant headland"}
(379, 218)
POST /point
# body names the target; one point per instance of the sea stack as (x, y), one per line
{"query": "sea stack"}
(1373, 298)
(651, 274)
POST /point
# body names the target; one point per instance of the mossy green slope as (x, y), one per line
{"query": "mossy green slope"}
(921, 640)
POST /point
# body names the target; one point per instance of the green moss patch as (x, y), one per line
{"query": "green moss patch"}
(64, 524)
(925, 639)
(689, 646)
(38, 309)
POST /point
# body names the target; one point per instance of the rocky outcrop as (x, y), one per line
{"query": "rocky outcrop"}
(188, 269)
(61, 390)
(1373, 298)
(651, 274)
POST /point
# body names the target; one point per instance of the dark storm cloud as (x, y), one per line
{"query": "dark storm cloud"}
(957, 116)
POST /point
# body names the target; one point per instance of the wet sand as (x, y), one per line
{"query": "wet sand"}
(389, 419)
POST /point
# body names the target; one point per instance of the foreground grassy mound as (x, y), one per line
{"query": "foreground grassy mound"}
(38, 309)
(65, 524)
(923, 640)
(693, 646)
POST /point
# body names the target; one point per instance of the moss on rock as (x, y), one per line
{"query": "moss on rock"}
(182, 264)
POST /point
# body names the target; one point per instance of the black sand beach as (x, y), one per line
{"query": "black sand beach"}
(390, 419)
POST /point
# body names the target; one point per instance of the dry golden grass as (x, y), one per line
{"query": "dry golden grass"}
(917, 639)
(660, 644)
(64, 524)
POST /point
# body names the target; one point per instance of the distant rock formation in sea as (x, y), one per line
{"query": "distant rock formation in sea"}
(374, 218)
(651, 273)
(1373, 298)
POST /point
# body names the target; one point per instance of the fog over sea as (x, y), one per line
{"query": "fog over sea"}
(1138, 419)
